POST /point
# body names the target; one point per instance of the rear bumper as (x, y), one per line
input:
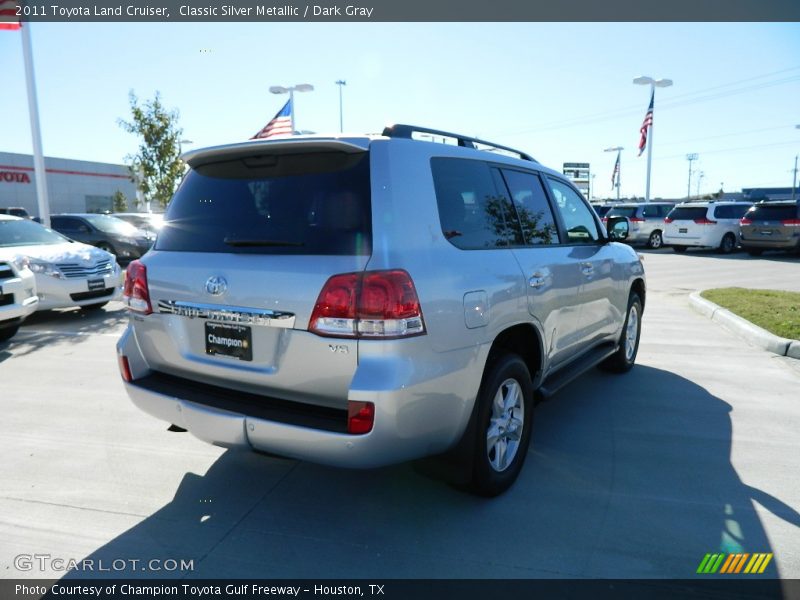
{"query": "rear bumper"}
(792, 243)
(425, 415)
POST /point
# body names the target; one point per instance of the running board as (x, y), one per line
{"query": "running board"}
(573, 370)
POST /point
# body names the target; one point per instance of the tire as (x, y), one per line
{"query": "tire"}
(504, 420)
(96, 306)
(624, 358)
(728, 243)
(755, 251)
(107, 248)
(6, 333)
(679, 249)
(655, 241)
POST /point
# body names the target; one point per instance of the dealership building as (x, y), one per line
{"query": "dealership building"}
(75, 186)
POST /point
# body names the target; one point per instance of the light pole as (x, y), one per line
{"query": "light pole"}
(700, 176)
(617, 168)
(591, 186)
(300, 87)
(794, 172)
(690, 157)
(341, 83)
(653, 83)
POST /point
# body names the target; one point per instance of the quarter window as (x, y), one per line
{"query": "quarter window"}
(578, 220)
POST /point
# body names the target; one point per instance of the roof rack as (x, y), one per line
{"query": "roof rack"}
(404, 131)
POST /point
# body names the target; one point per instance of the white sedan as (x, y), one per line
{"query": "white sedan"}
(68, 273)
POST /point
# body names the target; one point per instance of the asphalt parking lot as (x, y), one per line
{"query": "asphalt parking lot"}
(694, 451)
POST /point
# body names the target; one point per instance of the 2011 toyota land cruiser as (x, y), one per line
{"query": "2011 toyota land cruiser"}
(362, 301)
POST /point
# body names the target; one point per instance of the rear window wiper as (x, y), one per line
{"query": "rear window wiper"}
(242, 243)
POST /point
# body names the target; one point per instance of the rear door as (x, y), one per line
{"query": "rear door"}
(773, 223)
(247, 245)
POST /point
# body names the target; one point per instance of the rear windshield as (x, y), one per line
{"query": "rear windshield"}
(687, 213)
(622, 211)
(273, 204)
(772, 213)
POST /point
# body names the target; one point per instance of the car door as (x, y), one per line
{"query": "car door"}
(599, 314)
(72, 227)
(552, 277)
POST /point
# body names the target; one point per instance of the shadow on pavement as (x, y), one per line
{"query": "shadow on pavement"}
(628, 477)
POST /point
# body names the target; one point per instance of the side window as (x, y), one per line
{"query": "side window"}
(66, 224)
(578, 220)
(738, 210)
(723, 212)
(650, 212)
(472, 212)
(532, 208)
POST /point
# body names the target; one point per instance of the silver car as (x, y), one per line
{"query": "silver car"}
(646, 221)
(362, 301)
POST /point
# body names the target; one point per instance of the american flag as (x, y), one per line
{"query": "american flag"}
(646, 124)
(8, 15)
(615, 174)
(281, 124)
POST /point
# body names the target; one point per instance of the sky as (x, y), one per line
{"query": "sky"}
(561, 92)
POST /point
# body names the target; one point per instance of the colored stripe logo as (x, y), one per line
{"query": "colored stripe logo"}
(734, 563)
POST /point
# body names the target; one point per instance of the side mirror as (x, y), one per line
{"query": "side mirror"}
(617, 228)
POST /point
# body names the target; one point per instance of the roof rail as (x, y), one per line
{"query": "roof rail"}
(404, 131)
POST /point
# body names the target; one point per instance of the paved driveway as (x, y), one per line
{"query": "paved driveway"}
(695, 451)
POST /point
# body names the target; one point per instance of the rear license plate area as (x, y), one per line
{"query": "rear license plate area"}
(234, 341)
(683, 230)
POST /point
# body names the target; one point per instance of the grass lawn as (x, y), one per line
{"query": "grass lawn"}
(777, 312)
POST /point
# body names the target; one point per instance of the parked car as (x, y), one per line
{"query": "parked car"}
(646, 221)
(602, 209)
(15, 211)
(104, 231)
(18, 297)
(771, 225)
(369, 300)
(704, 225)
(67, 273)
(147, 222)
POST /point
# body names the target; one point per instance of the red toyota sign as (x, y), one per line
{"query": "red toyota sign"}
(14, 177)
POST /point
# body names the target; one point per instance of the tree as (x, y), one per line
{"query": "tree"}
(156, 168)
(119, 202)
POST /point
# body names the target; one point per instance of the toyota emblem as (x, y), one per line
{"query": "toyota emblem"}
(216, 286)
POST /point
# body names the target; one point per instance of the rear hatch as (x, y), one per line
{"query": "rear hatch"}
(771, 223)
(686, 222)
(248, 242)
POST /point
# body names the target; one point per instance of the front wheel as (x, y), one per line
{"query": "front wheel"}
(107, 247)
(505, 417)
(623, 359)
(655, 241)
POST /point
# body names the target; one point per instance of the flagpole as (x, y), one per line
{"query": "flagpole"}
(619, 171)
(291, 108)
(38, 157)
(650, 141)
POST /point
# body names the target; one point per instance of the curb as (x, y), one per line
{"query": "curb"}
(744, 328)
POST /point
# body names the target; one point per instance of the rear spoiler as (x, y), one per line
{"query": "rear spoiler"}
(202, 156)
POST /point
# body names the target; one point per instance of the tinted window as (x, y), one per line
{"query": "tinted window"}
(68, 224)
(664, 209)
(651, 212)
(773, 213)
(731, 211)
(273, 204)
(24, 233)
(622, 211)
(472, 212)
(688, 213)
(578, 218)
(532, 208)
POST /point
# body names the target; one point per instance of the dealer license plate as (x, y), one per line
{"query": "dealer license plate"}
(223, 339)
(96, 284)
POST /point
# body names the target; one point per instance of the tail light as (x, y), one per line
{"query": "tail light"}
(375, 304)
(745, 221)
(705, 221)
(635, 220)
(791, 222)
(135, 294)
(360, 417)
(124, 368)
(667, 220)
(604, 219)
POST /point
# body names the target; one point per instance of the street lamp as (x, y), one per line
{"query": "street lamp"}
(653, 83)
(700, 176)
(617, 172)
(300, 87)
(690, 157)
(794, 173)
(340, 83)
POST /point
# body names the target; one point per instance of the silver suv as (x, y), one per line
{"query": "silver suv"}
(362, 301)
